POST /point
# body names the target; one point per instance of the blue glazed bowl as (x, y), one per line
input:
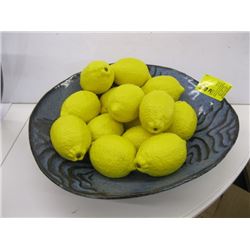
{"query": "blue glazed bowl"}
(217, 131)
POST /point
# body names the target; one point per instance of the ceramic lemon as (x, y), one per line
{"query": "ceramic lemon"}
(104, 100)
(113, 156)
(83, 104)
(156, 111)
(185, 120)
(166, 83)
(130, 70)
(161, 154)
(123, 103)
(97, 77)
(70, 137)
(104, 125)
(137, 135)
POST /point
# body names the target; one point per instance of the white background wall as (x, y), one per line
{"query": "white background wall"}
(35, 62)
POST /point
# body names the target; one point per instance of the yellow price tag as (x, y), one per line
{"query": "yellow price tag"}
(213, 87)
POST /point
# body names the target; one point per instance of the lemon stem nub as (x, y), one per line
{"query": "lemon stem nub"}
(78, 155)
(106, 69)
(138, 165)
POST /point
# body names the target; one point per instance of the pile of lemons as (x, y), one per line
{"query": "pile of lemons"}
(126, 119)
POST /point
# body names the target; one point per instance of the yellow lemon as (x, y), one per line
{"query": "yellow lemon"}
(104, 125)
(166, 83)
(156, 111)
(161, 154)
(83, 104)
(137, 135)
(70, 137)
(130, 70)
(113, 156)
(97, 77)
(123, 103)
(104, 100)
(185, 120)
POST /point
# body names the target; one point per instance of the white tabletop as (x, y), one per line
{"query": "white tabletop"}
(26, 192)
